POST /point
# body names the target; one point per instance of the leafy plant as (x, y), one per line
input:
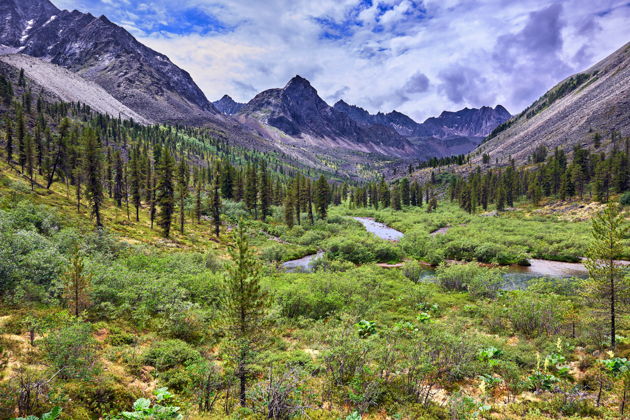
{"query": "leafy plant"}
(365, 328)
(53, 414)
(143, 409)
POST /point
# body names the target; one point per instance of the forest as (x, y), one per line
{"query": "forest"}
(143, 276)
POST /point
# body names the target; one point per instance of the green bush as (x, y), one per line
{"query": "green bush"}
(169, 354)
(72, 351)
(478, 281)
(625, 199)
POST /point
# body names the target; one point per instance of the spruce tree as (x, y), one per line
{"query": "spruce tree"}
(8, 128)
(77, 285)
(216, 204)
(608, 288)
(165, 198)
(92, 168)
(251, 190)
(322, 192)
(265, 192)
(135, 181)
(246, 306)
(118, 178)
(182, 191)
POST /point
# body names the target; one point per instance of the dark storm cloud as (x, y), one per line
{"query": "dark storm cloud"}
(464, 85)
(533, 54)
(418, 83)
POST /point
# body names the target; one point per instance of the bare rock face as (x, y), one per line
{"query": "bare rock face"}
(100, 51)
(475, 122)
(227, 105)
(299, 112)
(64, 85)
(596, 100)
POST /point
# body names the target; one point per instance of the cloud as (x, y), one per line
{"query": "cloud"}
(420, 57)
(418, 83)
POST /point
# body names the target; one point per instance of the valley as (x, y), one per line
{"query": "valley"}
(291, 255)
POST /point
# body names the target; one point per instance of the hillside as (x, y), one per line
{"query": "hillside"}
(64, 85)
(596, 100)
(102, 52)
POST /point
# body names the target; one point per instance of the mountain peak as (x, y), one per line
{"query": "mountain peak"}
(298, 80)
(227, 105)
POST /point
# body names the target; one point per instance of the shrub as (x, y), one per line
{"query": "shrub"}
(72, 351)
(478, 281)
(350, 250)
(169, 354)
(625, 199)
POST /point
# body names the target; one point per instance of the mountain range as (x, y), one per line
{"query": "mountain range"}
(77, 57)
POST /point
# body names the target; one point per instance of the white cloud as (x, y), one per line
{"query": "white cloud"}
(374, 59)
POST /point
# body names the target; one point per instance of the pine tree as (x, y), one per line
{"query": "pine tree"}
(251, 190)
(135, 181)
(118, 178)
(77, 285)
(246, 306)
(265, 192)
(405, 193)
(216, 204)
(322, 192)
(20, 133)
(608, 288)
(165, 192)
(29, 159)
(309, 204)
(8, 128)
(92, 168)
(289, 217)
(182, 191)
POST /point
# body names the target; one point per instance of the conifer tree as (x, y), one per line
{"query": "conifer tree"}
(77, 285)
(118, 178)
(246, 306)
(20, 134)
(216, 204)
(8, 128)
(405, 193)
(608, 288)
(165, 198)
(322, 192)
(135, 181)
(182, 191)
(289, 206)
(92, 168)
(251, 190)
(265, 192)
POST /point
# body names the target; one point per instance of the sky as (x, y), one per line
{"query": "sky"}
(419, 57)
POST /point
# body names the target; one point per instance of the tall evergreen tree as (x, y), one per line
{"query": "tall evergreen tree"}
(135, 181)
(92, 168)
(182, 191)
(608, 288)
(265, 192)
(246, 306)
(165, 192)
(8, 128)
(322, 192)
(216, 204)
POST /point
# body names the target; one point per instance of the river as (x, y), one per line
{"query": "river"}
(516, 276)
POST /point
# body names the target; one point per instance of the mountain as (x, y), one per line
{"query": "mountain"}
(475, 122)
(63, 85)
(571, 113)
(297, 111)
(100, 51)
(227, 105)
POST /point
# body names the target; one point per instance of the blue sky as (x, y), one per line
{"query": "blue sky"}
(419, 57)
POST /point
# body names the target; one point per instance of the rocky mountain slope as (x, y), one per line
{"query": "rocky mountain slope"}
(100, 51)
(63, 85)
(300, 114)
(227, 105)
(475, 122)
(596, 100)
